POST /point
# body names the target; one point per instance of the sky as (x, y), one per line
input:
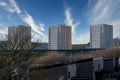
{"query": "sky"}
(41, 14)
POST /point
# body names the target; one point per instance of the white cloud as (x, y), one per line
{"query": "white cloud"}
(106, 11)
(14, 7)
(3, 4)
(35, 37)
(70, 22)
(3, 30)
(98, 12)
(41, 26)
(8, 17)
(103, 14)
(103, 11)
(82, 38)
(11, 6)
(77, 38)
(38, 28)
(116, 28)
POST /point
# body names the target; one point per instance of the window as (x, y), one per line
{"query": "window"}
(69, 75)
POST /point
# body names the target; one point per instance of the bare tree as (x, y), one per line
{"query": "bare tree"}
(15, 54)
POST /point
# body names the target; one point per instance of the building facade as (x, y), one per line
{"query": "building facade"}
(60, 37)
(101, 36)
(20, 37)
(98, 68)
(116, 42)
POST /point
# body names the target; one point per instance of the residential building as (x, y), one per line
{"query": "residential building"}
(110, 69)
(116, 42)
(39, 46)
(19, 37)
(101, 36)
(60, 37)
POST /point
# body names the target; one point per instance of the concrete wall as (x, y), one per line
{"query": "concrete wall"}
(85, 69)
(97, 65)
(71, 69)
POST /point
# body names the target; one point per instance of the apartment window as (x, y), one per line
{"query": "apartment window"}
(99, 67)
(69, 75)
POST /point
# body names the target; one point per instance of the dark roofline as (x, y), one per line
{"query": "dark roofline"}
(81, 61)
(63, 64)
(61, 50)
(83, 49)
(19, 26)
(101, 24)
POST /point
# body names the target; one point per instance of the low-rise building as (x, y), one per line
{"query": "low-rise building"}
(88, 69)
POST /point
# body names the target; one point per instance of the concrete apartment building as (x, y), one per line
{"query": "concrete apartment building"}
(101, 36)
(60, 37)
(20, 36)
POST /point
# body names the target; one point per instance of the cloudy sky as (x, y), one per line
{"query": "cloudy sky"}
(40, 14)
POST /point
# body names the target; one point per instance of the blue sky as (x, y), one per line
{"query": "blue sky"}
(40, 14)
